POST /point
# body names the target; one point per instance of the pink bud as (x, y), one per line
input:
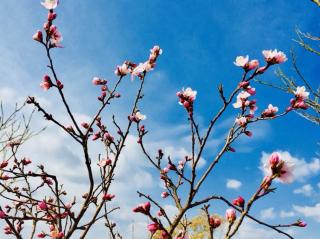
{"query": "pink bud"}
(239, 201)
(253, 64)
(244, 84)
(85, 125)
(3, 164)
(108, 197)
(60, 85)
(153, 227)
(2, 214)
(231, 215)
(165, 170)
(41, 235)
(51, 16)
(38, 36)
(164, 194)
(214, 222)
(46, 83)
(300, 223)
(42, 206)
(274, 159)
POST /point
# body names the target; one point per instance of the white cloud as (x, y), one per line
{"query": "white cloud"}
(250, 230)
(233, 184)
(309, 211)
(302, 168)
(306, 190)
(318, 185)
(284, 214)
(267, 213)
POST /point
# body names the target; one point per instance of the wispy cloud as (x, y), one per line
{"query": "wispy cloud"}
(233, 184)
(306, 190)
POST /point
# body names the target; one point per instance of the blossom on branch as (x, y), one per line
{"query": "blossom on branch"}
(231, 215)
(270, 111)
(186, 98)
(243, 61)
(46, 83)
(274, 56)
(279, 168)
(300, 96)
(50, 4)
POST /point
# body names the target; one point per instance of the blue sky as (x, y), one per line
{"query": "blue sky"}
(200, 42)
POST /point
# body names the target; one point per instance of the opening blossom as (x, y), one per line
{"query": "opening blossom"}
(279, 168)
(299, 102)
(274, 56)
(242, 100)
(301, 92)
(231, 215)
(122, 70)
(55, 36)
(153, 227)
(270, 111)
(242, 121)
(244, 62)
(50, 4)
(143, 208)
(46, 83)
(186, 98)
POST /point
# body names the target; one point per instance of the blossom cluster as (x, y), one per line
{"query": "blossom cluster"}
(139, 70)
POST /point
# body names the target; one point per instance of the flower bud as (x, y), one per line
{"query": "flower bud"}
(231, 215)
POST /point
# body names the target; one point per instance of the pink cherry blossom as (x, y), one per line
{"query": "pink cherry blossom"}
(231, 215)
(242, 100)
(214, 222)
(274, 159)
(42, 206)
(3, 164)
(186, 98)
(300, 223)
(138, 116)
(182, 234)
(41, 235)
(46, 83)
(283, 170)
(108, 197)
(164, 194)
(142, 68)
(56, 234)
(38, 36)
(241, 61)
(153, 227)
(50, 4)
(122, 70)
(301, 92)
(104, 162)
(51, 16)
(253, 64)
(7, 230)
(143, 208)
(270, 111)
(242, 121)
(98, 81)
(2, 214)
(55, 36)
(274, 56)
(239, 201)
(250, 90)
